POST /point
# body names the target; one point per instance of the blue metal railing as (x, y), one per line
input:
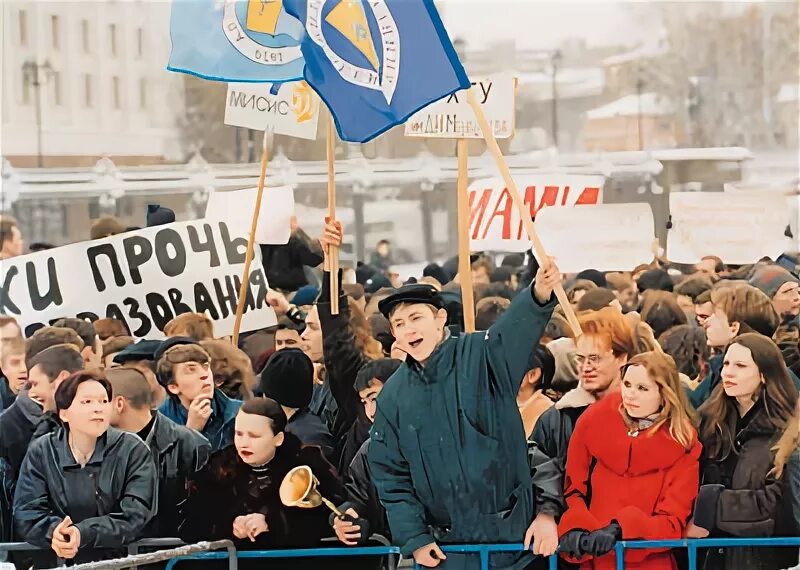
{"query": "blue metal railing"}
(483, 551)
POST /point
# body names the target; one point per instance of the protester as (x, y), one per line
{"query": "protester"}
(688, 346)
(7, 482)
(106, 226)
(9, 329)
(782, 288)
(661, 311)
(703, 308)
(532, 399)
(710, 265)
(288, 378)
(603, 348)
(48, 369)
(231, 368)
(689, 290)
(287, 335)
(632, 469)
(158, 215)
(14, 372)
(86, 486)
(285, 264)
(489, 310)
(382, 256)
(237, 495)
(108, 328)
(625, 289)
(578, 289)
(429, 420)
(593, 275)
(91, 350)
(655, 279)
(178, 453)
(142, 357)
(482, 270)
(196, 326)
(596, 299)
(11, 243)
(740, 424)
(113, 346)
(51, 336)
(183, 368)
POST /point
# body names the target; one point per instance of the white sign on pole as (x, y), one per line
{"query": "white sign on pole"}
(606, 237)
(452, 117)
(494, 223)
(293, 111)
(235, 207)
(144, 278)
(738, 228)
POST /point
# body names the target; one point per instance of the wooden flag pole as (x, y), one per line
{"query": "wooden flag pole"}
(248, 258)
(524, 213)
(464, 265)
(333, 253)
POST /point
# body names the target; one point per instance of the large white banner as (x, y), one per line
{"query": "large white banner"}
(606, 237)
(738, 228)
(495, 224)
(293, 111)
(235, 207)
(452, 117)
(144, 278)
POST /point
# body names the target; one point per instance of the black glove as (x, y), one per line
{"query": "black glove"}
(602, 541)
(363, 524)
(571, 543)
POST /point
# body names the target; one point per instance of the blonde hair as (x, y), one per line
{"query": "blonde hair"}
(369, 346)
(196, 326)
(748, 306)
(787, 444)
(662, 370)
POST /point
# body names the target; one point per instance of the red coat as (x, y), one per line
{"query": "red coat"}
(647, 483)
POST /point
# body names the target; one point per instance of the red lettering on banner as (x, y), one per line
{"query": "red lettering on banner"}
(504, 212)
(588, 196)
(566, 196)
(478, 210)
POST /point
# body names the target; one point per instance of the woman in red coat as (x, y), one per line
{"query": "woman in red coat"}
(632, 470)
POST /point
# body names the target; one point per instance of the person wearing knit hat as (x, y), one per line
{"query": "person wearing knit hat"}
(288, 378)
(184, 369)
(305, 296)
(780, 286)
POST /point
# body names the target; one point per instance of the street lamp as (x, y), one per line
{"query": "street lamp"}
(555, 60)
(35, 74)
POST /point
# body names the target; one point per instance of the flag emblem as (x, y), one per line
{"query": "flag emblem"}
(255, 39)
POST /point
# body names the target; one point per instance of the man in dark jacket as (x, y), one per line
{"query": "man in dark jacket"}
(184, 369)
(17, 425)
(288, 378)
(178, 452)
(447, 450)
(285, 264)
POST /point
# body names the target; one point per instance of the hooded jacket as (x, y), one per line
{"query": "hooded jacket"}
(219, 427)
(447, 451)
(110, 500)
(647, 482)
(753, 502)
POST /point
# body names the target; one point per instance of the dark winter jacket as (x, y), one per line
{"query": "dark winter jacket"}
(753, 502)
(343, 360)
(7, 480)
(228, 488)
(645, 481)
(699, 395)
(551, 436)
(7, 397)
(178, 453)
(448, 453)
(219, 428)
(110, 500)
(17, 425)
(284, 264)
(310, 430)
(361, 491)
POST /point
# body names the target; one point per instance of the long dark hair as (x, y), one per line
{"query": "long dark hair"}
(778, 392)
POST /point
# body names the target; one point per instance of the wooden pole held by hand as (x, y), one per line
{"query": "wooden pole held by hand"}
(524, 213)
(464, 265)
(333, 253)
(251, 240)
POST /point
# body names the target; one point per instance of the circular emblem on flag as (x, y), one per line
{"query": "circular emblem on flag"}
(249, 24)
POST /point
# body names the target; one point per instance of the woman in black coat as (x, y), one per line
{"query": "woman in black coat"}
(740, 494)
(85, 487)
(237, 495)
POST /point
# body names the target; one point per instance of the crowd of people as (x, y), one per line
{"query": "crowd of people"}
(672, 413)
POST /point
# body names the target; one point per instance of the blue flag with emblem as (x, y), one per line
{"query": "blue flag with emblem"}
(375, 63)
(235, 40)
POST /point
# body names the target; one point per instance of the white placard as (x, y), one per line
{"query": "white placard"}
(452, 117)
(738, 228)
(606, 237)
(235, 207)
(144, 278)
(494, 219)
(294, 111)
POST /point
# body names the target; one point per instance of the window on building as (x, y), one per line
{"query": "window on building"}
(143, 93)
(85, 36)
(112, 36)
(140, 42)
(23, 27)
(54, 32)
(87, 91)
(55, 81)
(115, 92)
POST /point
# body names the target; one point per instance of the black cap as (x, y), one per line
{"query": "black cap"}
(417, 293)
(288, 378)
(142, 350)
(165, 345)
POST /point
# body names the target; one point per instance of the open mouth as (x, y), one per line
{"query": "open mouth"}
(415, 343)
(244, 453)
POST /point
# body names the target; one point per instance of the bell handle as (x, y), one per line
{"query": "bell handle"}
(332, 507)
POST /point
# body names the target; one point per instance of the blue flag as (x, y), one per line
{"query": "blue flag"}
(235, 40)
(375, 63)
